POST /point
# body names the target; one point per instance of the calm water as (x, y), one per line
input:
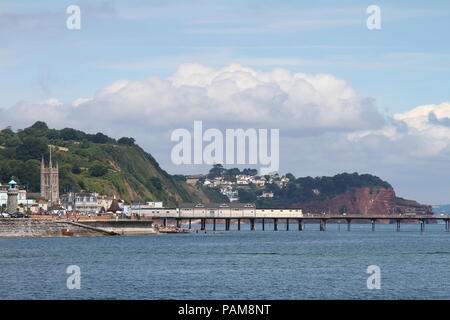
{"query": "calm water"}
(233, 265)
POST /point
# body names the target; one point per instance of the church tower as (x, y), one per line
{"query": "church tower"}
(50, 181)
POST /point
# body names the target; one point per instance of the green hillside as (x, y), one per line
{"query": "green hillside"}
(93, 163)
(98, 163)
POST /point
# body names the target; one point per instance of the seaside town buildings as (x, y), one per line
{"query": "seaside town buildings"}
(228, 187)
(90, 204)
(84, 203)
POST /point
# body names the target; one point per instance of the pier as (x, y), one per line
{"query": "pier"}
(320, 220)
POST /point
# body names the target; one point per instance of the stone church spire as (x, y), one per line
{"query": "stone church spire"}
(50, 180)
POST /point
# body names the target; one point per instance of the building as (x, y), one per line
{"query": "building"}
(279, 212)
(13, 193)
(50, 181)
(233, 195)
(103, 203)
(147, 211)
(217, 210)
(266, 194)
(22, 200)
(235, 210)
(153, 204)
(82, 203)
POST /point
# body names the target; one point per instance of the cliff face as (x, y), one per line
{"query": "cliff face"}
(365, 201)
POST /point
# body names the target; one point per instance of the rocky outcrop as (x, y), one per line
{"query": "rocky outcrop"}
(365, 201)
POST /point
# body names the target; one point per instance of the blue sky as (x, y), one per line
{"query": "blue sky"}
(374, 125)
(404, 64)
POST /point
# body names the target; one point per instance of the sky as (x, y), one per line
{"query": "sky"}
(344, 97)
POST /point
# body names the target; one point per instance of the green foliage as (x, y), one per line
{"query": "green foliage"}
(216, 171)
(97, 163)
(214, 195)
(32, 148)
(229, 174)
(92, 162)
(302, 189)
(98, 170)
(156, 183)
(246, 196)
(126, 141)
(76, 169)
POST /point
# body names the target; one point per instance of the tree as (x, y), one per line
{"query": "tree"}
(99, 138)
(126, 141)
(39, 125)
(98, 170)
(217, 171)
(290, 176)
(156, 182)
(250, 172)
(72, 134)
(32, 148)
(246, 196)
(9, 139)
(76, 169)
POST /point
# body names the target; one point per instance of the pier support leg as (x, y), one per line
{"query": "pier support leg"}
(275, 224)
(178, 223)
(287, 224)
(165, 222)
(239, 224)
(190, 223)
(263, 224)
(323, 224)
(300, 225)
(202, 224)
(422, 225)
(447, 225)
(227, 224)
(252, 224)
(398, 225)
(349, 223)
(373, 225)
(214, 224)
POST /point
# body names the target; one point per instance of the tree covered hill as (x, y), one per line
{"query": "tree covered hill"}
(296, 190)
(306, 189)
(101, 164)
(90, 162)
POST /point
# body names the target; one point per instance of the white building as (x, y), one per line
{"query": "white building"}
(233, 195)
(158, 204)
(217, 210)
(146, 211)
(83, 203)
(266, 195)
(280, 212)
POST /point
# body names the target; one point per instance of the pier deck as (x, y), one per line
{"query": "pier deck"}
(321, 220)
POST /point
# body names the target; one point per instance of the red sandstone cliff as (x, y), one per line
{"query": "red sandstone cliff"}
(365, 201)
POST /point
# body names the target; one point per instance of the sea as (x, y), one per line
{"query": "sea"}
(309, 264)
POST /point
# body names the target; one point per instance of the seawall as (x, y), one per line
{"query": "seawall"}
(34, 228)
(122, 227)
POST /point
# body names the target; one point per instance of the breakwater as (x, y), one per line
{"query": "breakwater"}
(17, 228)
(122, 227)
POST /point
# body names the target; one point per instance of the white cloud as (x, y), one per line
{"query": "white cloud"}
(226, 97)
(427, 126)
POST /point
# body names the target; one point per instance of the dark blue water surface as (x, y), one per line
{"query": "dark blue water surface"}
(233, 265)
